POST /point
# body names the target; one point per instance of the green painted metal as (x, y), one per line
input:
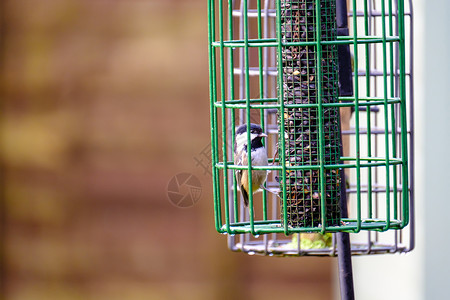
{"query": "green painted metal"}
(234, 102)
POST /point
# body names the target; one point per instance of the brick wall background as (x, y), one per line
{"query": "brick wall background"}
(102, 103)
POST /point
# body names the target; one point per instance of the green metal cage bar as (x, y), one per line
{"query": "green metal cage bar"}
(240, 95)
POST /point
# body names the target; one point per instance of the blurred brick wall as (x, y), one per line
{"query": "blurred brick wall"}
(102, 102)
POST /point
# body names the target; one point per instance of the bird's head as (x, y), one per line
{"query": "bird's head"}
(256, 134)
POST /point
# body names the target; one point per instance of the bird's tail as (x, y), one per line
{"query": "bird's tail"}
(245, 195)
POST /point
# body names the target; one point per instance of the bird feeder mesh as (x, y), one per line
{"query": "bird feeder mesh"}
(275, 63)
(311, 129)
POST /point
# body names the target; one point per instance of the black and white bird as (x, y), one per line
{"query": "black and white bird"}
(258, 156)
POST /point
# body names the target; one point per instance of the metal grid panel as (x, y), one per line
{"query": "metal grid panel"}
(245, 57)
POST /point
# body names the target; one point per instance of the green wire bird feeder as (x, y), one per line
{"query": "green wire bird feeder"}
(333, 90)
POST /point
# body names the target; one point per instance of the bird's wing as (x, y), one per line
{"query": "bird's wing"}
(238, 162)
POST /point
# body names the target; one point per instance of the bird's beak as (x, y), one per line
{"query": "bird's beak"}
(262, 134)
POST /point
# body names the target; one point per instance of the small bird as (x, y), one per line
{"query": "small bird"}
(258, 156)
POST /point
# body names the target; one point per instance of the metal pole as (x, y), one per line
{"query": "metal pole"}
(344, 57)
(344, 250)
(346, 89)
